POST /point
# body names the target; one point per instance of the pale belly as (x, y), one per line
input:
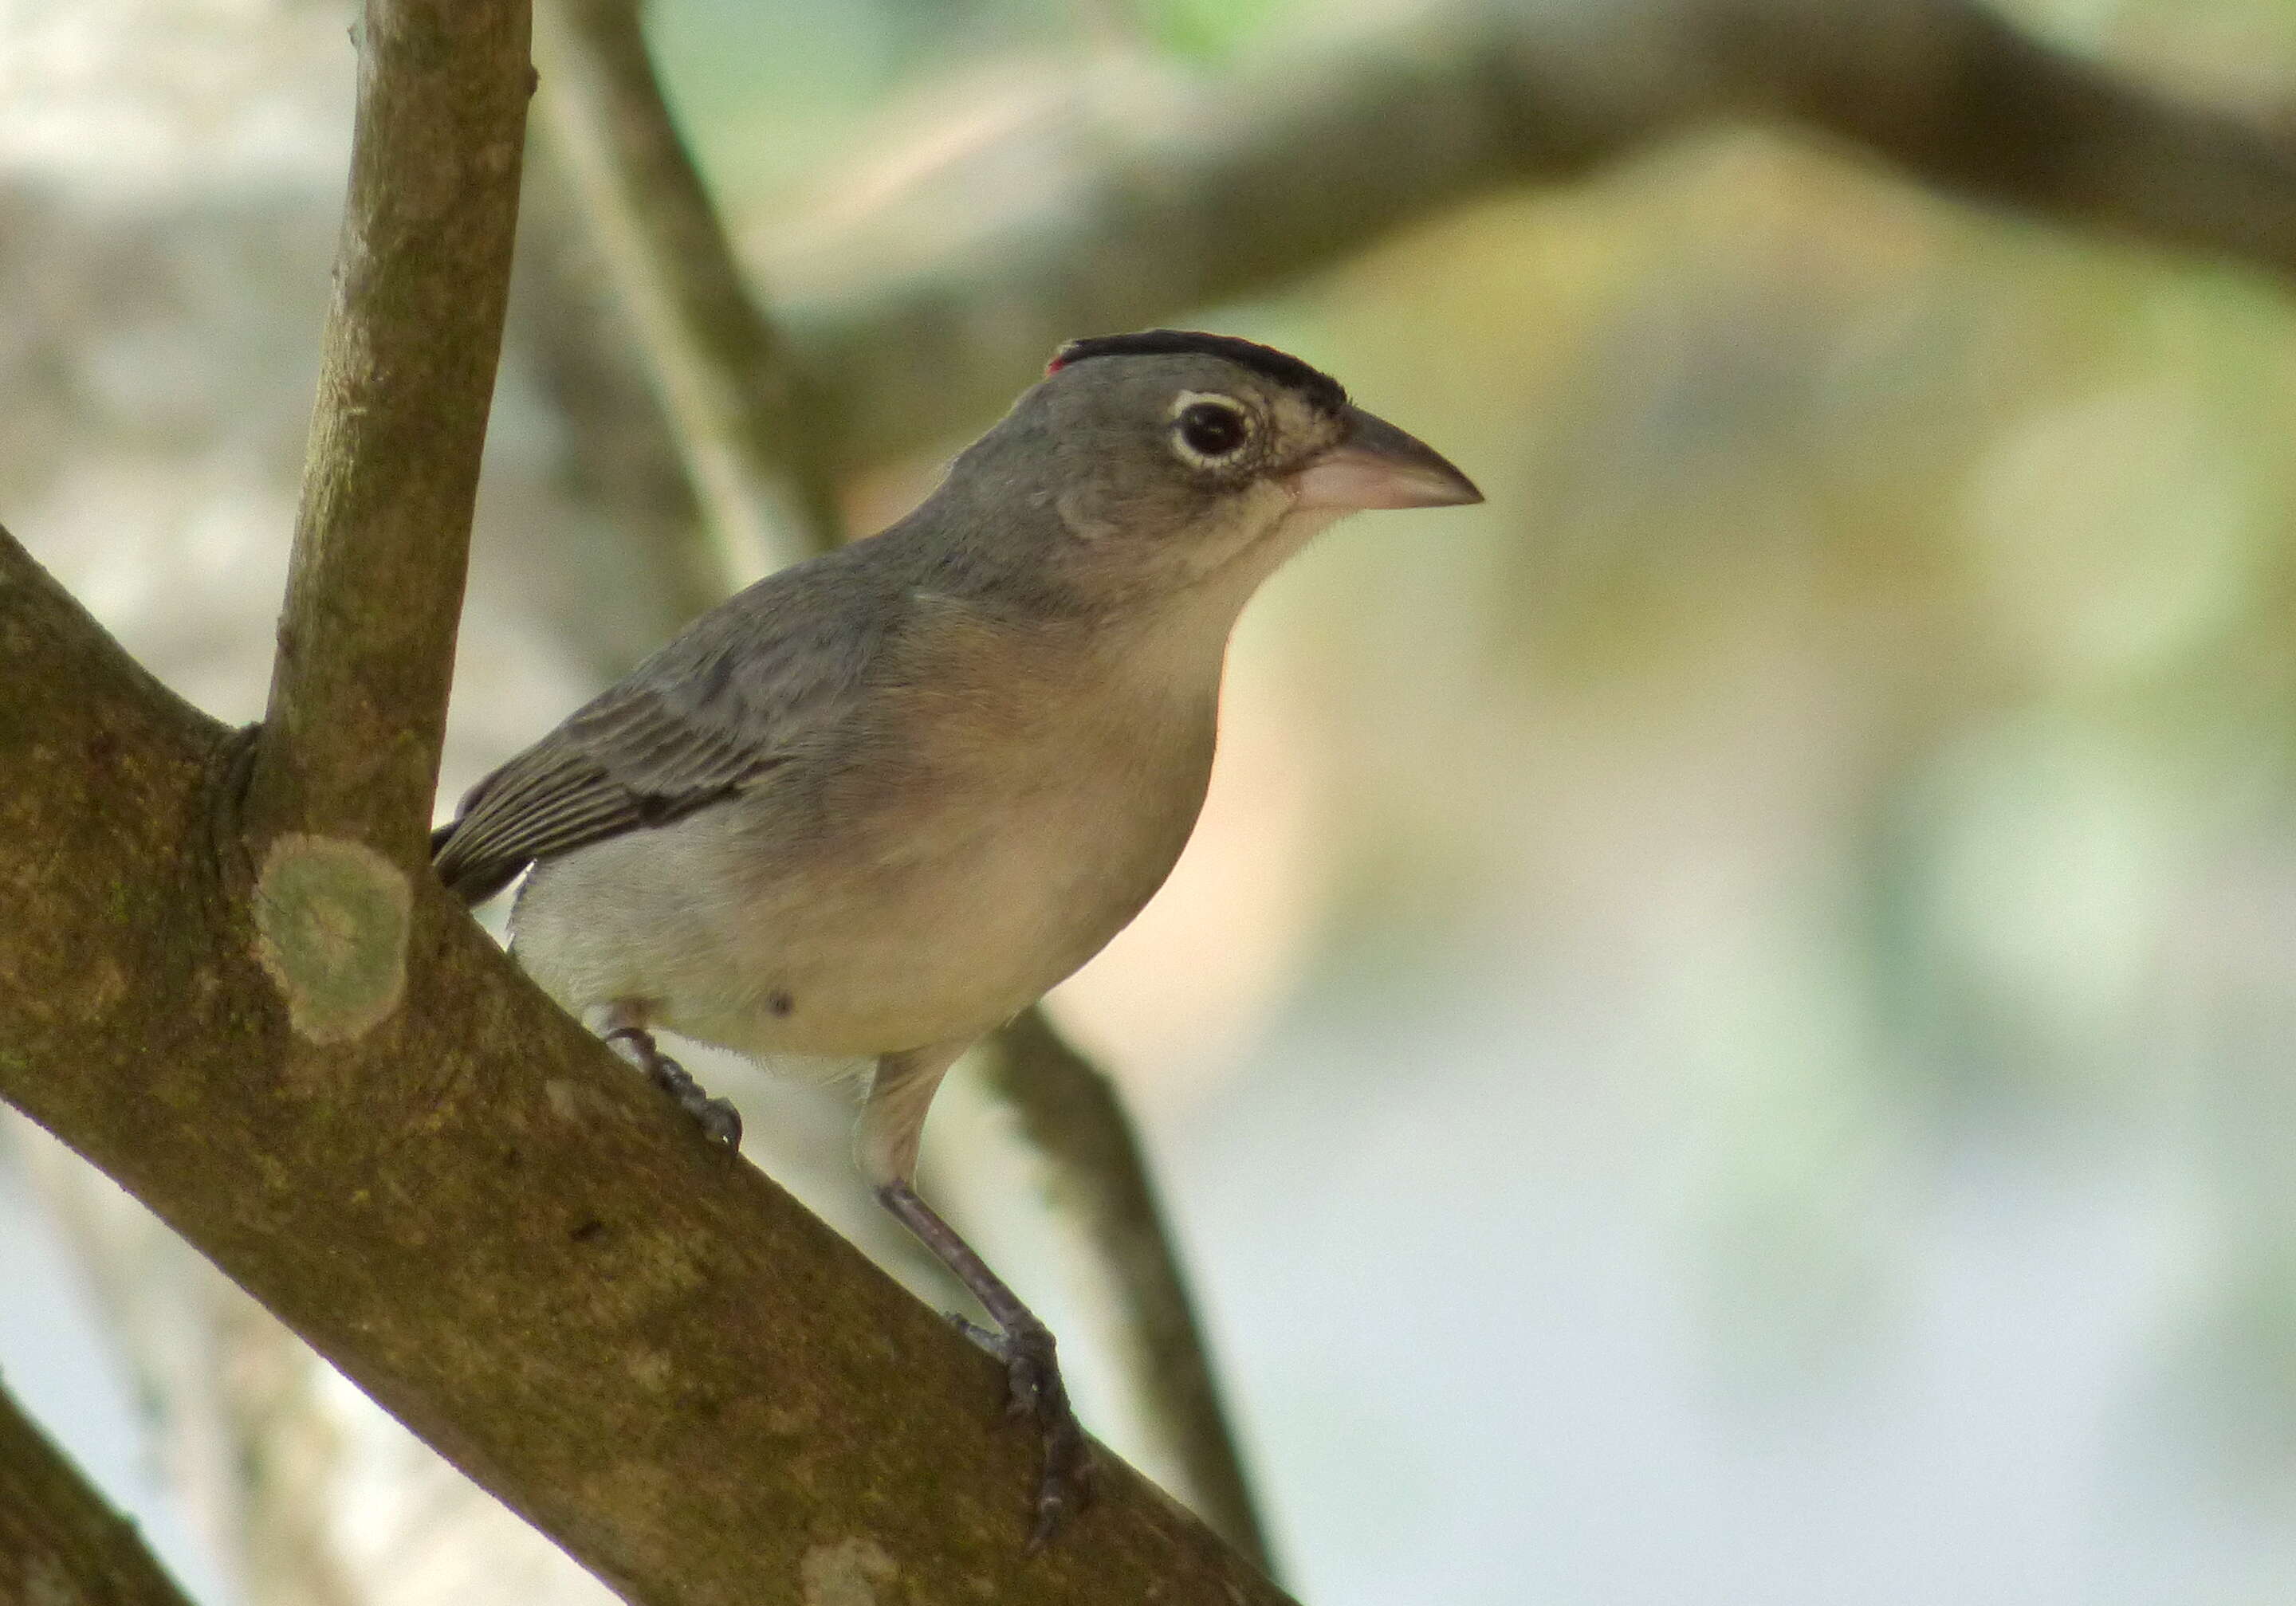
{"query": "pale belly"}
(872, 939)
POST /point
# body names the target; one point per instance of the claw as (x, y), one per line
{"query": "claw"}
(1034, 1389)
(1032, 1371)
(720, 1121)
(982, 1337)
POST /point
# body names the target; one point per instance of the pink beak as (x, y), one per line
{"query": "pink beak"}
(1376, 464)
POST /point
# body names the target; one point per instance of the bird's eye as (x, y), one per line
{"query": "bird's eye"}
(1211, 431)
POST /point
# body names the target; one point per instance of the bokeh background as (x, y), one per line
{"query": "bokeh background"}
(1727, 1034)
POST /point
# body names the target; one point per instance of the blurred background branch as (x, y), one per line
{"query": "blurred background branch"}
(1100, 1183)
(741, 418)
(61, 1544)
(237, 1411)
(1144, 187)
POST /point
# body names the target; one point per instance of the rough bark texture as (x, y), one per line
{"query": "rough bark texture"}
(61, 1542)
(366, 645)
(642, 1346)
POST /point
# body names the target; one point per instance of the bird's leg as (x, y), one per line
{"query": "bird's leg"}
(1032, 1371)
(625, 1033)
(891, 1123)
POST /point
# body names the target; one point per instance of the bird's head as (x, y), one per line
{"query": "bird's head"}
(1171, 461)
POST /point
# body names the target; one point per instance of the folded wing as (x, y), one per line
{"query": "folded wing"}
(716, 710)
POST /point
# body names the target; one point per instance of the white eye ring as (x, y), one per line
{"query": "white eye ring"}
(1208, 429)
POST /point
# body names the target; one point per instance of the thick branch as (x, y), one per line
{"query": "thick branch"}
(744, 426)
(469, 1206)
(1129, 203)
(60, 1542)
(374, 592)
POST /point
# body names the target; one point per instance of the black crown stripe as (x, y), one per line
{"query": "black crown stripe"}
(1319, 387)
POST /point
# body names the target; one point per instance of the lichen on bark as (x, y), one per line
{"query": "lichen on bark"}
(331, 922)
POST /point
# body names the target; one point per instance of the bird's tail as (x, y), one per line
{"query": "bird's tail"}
(471, 879)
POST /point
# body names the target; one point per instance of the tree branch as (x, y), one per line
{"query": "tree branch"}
(60, 1542)
(728, 390)
(1137, 195)
(374, 591)
(736, 405)
(233, 1404)
(646, 566)
(516, 1247)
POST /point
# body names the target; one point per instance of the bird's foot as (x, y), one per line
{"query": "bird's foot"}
(720, 1121)
(1034, 1389)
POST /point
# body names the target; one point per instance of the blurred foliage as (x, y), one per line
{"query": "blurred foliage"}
(2223, 45)
(1211, 30)
(776, 94)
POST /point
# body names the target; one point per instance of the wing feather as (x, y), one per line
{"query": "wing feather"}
(716, 710)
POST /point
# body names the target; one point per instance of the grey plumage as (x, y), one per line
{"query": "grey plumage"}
(881, 801)
(716, 709)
